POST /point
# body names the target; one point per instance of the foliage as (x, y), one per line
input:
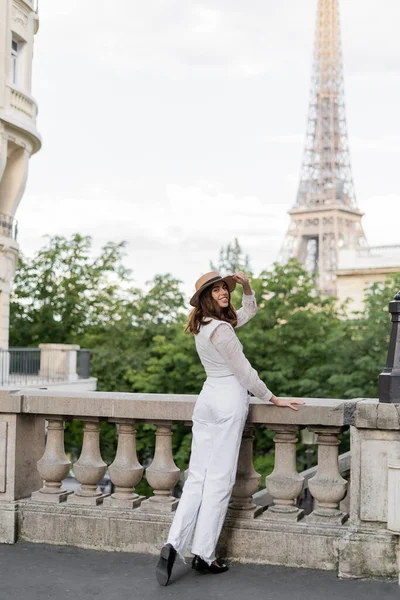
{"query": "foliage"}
(231, 260)
(302, 344)
(63, 292)
(364, 343)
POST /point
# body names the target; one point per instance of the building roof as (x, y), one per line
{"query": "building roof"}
(372, 257)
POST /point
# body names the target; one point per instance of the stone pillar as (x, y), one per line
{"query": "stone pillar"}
(126, 471)
(393, 514)
(162, 474)
(54, 466)
(22, 443)
(285, 483)
(58, 362)
(90, 467)
(247, 481)
(8, 261)
(327, 486)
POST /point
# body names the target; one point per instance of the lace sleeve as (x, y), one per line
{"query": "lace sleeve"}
(248, 309)
(224, 339)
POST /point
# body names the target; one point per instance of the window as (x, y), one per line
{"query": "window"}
(14, 60)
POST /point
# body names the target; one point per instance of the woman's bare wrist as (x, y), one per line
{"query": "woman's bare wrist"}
(247, 289)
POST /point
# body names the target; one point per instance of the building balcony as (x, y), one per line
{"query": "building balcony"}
(20, 112)
(22, 103)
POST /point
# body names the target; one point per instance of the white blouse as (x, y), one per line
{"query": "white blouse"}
(221, 352)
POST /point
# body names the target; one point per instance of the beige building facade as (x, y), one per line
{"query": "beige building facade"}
(359, 269)
(19, 138)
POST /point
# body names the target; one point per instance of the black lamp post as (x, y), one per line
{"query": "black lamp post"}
(389, 379)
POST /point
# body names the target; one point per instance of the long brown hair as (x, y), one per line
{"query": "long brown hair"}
(207, 309)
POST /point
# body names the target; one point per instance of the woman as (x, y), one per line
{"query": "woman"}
(218, 421)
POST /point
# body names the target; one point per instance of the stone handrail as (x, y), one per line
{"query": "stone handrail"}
(33, 467)
(171, 407)
(325, 417)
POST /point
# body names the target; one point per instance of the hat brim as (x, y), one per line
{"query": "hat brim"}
(230, 282)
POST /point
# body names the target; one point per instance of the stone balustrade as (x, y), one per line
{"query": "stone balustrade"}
(33, 466)
(22, 103)
(126, 471)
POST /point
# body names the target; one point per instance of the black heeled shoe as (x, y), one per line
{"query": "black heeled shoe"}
(165, 564)
(201, 566)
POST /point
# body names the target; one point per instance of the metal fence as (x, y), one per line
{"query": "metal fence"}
(83, 364)
(38, 366)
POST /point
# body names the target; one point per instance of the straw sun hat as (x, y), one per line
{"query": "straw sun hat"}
(208, 279)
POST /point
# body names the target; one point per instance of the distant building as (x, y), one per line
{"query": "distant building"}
(19, 138)
(359, 269)
(325, 217)
(325, 232)
(54, 366)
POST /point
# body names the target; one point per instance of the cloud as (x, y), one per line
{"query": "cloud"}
(285, 139)
(387, 143)
(174, 37)
(178, 126)
(381, 220)
(182, 230)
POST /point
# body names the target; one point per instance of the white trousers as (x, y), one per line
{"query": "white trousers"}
(218, 421)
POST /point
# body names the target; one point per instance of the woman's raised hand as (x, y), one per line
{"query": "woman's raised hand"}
(242, 279)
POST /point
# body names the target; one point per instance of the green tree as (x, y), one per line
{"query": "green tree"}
(288, 342)
(301, 343)
(232, 259)
(63, 292)
(172, 367)
(123, 345)
(363, 345)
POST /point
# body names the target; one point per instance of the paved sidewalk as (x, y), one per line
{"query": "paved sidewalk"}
(41, 572)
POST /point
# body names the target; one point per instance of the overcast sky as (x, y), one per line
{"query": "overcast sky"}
(178, 126)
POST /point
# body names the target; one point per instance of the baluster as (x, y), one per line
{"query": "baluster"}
(285, 483)
(54, 466)
(90, 467)
(162, 474)
(125, 471)
(327, 486)
(247, 481)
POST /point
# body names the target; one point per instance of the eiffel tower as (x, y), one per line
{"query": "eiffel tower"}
(325, 217)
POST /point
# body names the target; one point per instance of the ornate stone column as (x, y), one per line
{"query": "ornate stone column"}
(247, 481)
(285, 483)
(162, 474)
(126, 471)
(327, 486)
(90, 467)
(54, 466)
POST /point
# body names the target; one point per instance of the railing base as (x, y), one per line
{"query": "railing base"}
(86, 500)
(251, 512)
(9, 518)
(128, 503)
(40, 496)
(276, 514)
(336, 548)
(152, 506)
(339, 518)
